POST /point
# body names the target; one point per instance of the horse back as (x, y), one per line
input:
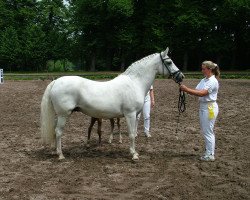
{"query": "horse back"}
(98, 99)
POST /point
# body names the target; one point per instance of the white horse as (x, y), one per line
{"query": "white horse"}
(122, 96)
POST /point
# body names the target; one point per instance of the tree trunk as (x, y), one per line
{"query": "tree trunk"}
(93, 62)
(54, 65)
(122, 69)
(64, 65)
(233, 60)
(218, 60)
(109, 59)
(185, 61)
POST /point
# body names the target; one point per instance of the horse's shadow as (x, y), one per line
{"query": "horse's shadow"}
(174, 154)
(83, 151)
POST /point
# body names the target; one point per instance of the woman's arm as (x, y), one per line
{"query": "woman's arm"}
(199, 93)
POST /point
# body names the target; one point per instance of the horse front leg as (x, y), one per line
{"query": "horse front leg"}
(131, 123)
(61, 121)
(112, 125)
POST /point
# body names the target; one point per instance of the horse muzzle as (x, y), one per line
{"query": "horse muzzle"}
(178, 77)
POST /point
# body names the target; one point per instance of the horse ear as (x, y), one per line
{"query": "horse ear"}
(165, 53)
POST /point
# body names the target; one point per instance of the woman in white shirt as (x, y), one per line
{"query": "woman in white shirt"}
(207, 91)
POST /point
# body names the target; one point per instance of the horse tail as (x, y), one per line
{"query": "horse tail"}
(47, 117)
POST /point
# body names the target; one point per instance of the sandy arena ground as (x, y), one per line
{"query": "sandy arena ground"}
(168, 167)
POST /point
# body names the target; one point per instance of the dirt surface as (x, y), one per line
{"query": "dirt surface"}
(168, 167)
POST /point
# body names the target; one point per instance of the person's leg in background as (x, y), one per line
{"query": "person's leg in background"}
(146, 117)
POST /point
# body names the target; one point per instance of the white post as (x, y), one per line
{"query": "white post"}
(1, 76)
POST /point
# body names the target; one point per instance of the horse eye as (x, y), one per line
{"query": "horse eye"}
(168, 61)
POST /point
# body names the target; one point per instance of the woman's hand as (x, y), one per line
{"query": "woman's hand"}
(183, 88)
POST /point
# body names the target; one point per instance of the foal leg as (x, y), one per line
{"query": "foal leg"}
(61, 121)
(131, 122)
(99, 129)
(112, 124)
(119, 130)
(92, 122)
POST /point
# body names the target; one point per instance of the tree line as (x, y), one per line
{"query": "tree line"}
(111, 34)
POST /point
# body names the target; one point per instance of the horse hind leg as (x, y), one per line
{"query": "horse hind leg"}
(61, 121)
(112, 124)
(92, 122)
(119, 130)
(99, 129)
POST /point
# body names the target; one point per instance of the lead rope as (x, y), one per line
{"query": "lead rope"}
(181, 107)
(182, 101)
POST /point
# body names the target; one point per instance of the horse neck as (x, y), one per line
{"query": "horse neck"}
(143, 72)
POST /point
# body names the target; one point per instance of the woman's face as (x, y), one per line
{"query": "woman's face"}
(206, 71)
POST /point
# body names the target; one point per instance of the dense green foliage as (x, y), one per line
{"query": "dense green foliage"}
(111, 34)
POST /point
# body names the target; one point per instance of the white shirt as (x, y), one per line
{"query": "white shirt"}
(211, 84)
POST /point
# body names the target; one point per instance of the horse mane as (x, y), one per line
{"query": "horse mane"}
(135, 68)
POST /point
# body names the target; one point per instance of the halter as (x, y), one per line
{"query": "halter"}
(171, 74)
(182, 98)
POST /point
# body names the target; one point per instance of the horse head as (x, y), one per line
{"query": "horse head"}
(169, 68)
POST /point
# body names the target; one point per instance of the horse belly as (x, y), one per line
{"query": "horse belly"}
(100, 108)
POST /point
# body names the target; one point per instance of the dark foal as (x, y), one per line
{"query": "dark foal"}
(99, 129)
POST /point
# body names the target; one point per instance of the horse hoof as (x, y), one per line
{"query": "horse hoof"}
(61, 157)
(135, 157)
(87, 145)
